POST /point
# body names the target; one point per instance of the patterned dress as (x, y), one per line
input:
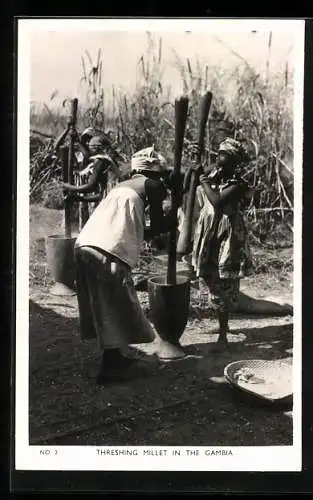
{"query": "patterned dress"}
(221, 253)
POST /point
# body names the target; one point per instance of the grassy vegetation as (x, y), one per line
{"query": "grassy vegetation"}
(246, 105)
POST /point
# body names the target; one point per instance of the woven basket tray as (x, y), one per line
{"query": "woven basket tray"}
(268, 380)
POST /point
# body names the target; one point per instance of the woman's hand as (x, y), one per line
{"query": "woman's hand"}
(194, 150)
(72, 196)
(203, 179)
(69, 190)
(69, 196)
(85, 172)
(196, 167)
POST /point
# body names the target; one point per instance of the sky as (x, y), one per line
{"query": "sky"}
(55, 54)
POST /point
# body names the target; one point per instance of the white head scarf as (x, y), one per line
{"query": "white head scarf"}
(148, 159)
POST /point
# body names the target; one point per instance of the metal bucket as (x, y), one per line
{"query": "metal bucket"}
(60, 258)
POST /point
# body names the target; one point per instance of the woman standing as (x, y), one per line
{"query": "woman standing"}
(221, 254)
(106, 250)
(91, 183)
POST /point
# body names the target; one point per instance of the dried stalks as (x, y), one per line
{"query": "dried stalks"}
(246, 105)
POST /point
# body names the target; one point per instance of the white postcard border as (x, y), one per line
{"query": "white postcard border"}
(280, 458)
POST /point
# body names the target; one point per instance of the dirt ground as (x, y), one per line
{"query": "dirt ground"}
(182, 403)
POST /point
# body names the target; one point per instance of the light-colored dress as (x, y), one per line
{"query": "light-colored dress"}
(107, 249)
(116, 225)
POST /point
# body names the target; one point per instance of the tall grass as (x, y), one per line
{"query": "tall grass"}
(255, 108)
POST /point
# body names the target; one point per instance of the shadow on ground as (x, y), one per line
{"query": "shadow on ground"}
(269, 342)
(184, 403)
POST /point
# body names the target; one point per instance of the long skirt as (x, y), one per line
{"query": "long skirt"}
(109, 309)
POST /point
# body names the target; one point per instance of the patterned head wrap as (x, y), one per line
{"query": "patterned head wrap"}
(97, 140)
(148, 159)
(233, 148)
(89, 132)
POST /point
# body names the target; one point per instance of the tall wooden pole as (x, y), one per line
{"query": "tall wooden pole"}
(70, 163)
(64, 154)
(181, 110)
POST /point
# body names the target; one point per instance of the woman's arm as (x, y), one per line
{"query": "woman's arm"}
(156, 193)
(218, 200)
(81, 197)
(99, 167)
(156, 218)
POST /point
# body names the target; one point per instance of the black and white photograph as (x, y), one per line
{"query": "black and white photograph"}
(158, 264)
